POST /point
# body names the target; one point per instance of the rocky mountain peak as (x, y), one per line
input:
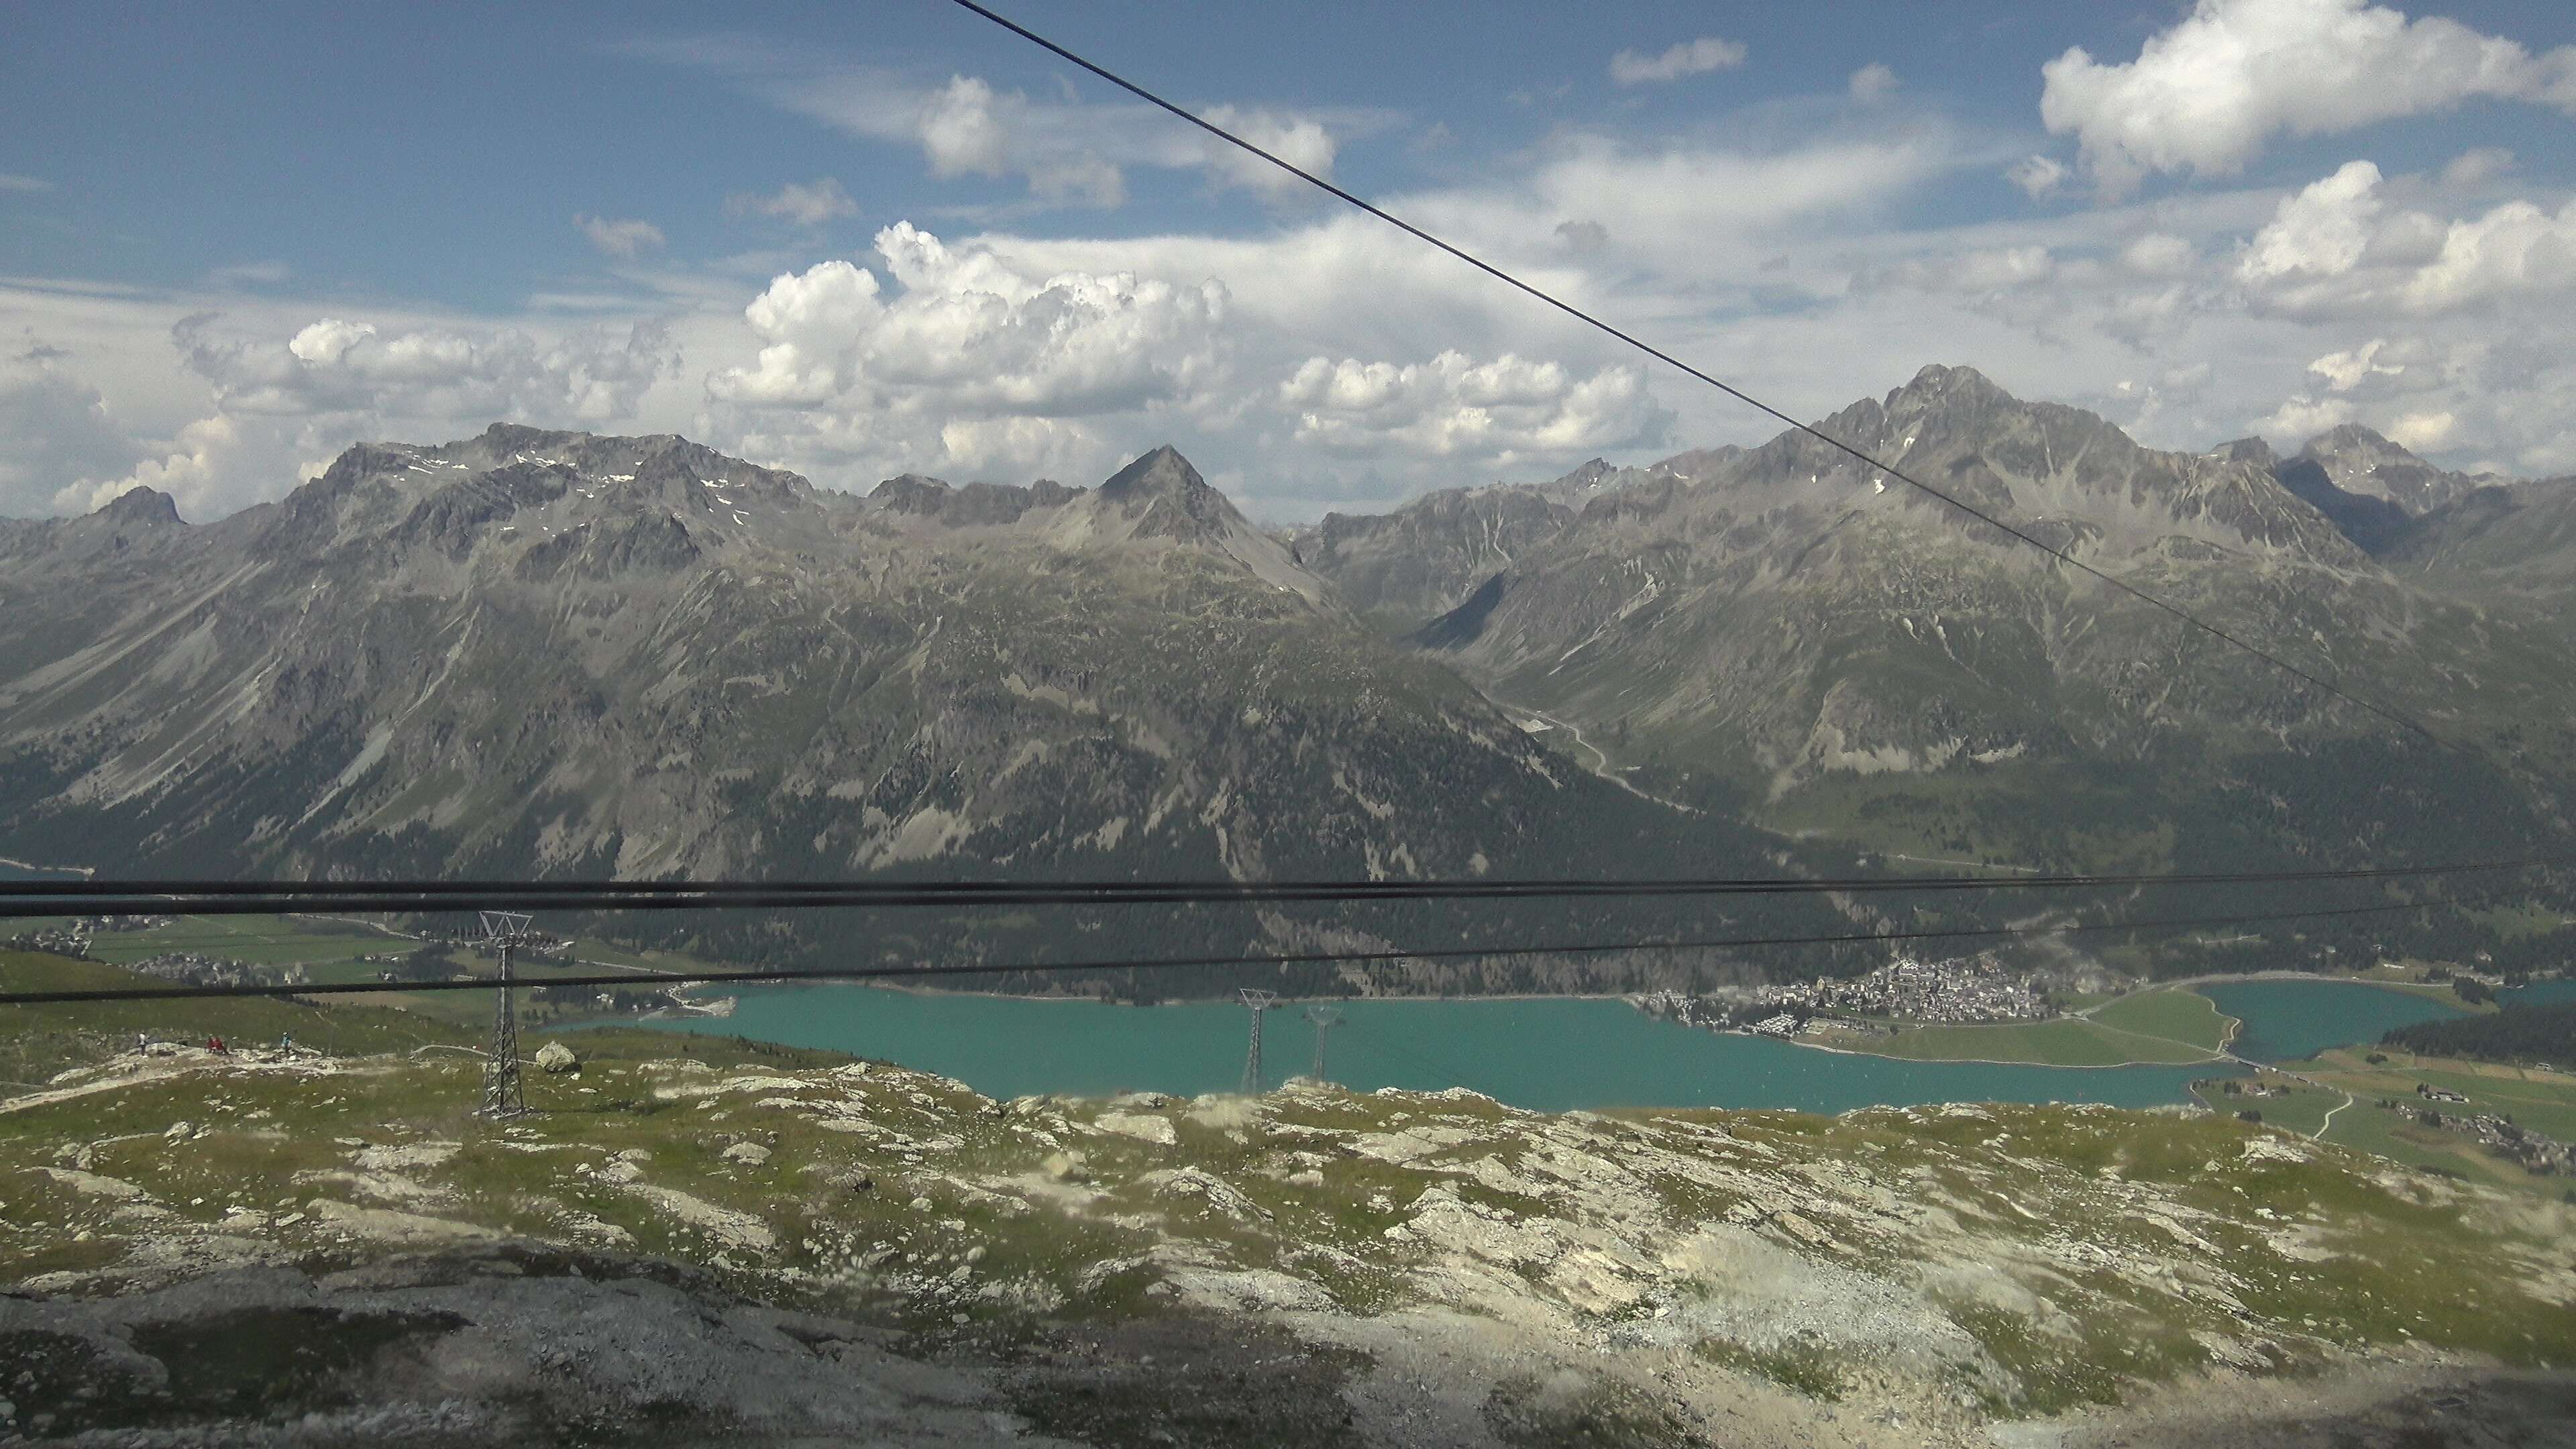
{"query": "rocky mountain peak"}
(911, 493)
(1168, 499)
(1587, 476)
(1582, 485)
(149, 507)
(1162, 473)
(1946, 388)
(2355, 437)
(2248, 450)
(2364, 462)
(508, 438)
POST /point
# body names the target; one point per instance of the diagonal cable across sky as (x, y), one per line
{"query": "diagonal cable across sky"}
(2385, 712)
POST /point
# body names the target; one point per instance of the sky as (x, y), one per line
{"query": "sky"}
(863, 239)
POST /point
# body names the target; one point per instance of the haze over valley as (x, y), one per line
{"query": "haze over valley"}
(1220, 727)
(568, 655)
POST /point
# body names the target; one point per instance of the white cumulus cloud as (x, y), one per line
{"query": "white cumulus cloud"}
(2423, 432)
(1304, 144)
(2339, 247)
(194, 470)
(337, 366)
(967, 358)
(2516, 248)
(2477, 166)
(2320, 232)
(2303, 417)
(1689, 58)
(59, 437)
(2350, 368)
(2206, 95)
(283, 405)
(962, 131)
(1453, 406)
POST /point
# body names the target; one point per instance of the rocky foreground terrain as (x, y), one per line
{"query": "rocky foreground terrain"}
(309, 1250)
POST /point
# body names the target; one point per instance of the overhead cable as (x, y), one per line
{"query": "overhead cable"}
(1167, 963)
(261, 898)
(2385, 712)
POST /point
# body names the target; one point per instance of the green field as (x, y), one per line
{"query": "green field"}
(262, 940)
(2065, 1042)
(2165, 1027)
(2544, 1102)
(2365, 1126)
(330, 950)
(2302, 1110)
(2183, 1016)
(38, 1041)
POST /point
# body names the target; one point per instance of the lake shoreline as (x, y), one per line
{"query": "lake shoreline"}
(2224, 1058)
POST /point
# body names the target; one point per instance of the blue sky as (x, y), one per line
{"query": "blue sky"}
(860, 239)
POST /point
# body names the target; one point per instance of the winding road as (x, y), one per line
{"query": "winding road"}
(1602, 769)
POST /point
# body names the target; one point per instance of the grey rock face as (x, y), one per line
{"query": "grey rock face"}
(564, 655)
(1404, 568)
(2362, 462)
(1789, 621)
(1425, 558)
(519, 1344)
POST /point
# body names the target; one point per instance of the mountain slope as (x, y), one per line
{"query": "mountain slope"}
(1835, 652)
(2363, 463)
(568, 655)
(2372, 523)
(1402, 568)
(2515, 542)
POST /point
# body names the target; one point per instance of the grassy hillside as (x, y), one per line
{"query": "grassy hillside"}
(2183, 1016)
(1953, 1264)
(2166, 1026)
(2543, 1102)
(2066, 1042)
(38, 1041)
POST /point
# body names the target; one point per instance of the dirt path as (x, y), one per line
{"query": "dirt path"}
(83, 871)
(1603, 767)
(1973, 864)
(2319, 1134)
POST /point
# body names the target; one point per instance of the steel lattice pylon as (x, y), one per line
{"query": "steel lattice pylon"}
(1259, 1001)
(1325, 1019)
(503, 1095)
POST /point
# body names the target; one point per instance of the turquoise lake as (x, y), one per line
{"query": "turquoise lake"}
(1548, 1054)
(2540, 992)
(2285, 1019)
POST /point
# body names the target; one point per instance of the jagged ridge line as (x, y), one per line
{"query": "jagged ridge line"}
(2392, 715)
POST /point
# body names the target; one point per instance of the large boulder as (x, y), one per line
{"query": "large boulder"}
(554, 1056)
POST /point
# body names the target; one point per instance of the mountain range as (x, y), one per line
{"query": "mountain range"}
(561, 655)
(1796, 638)
(567, 655)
